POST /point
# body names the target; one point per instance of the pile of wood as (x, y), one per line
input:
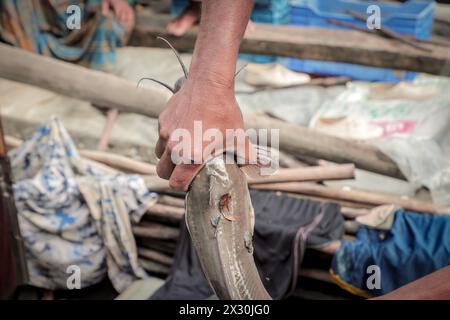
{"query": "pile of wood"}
(158, 232)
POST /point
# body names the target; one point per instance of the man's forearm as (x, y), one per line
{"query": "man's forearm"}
(222, 27)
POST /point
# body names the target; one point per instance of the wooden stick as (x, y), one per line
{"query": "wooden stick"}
(167, 247)
(119, 162)
(353, 195)
(110, 159)
(111, 117)
(336, 172)
(154, 267)
(171, 201)
(155, 256)
(168, 212)
(156, 231)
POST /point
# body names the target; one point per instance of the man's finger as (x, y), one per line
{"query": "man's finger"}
(182, 176)
(165, 166)
(246, 153)
(160, 147)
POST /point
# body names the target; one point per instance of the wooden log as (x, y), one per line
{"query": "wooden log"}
(155, 256)
(154, 267)
(168, 212)
(171, 201)
(119, 162)
(156, 231)
(336, 172)
(110, 159)
(100, 88)
(310, 43)
(299, 140)
(352, 195)
(167, 247)
(70, 79)
(156, 184)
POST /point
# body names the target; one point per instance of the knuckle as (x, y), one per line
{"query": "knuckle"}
(176, 184)
(164, 134)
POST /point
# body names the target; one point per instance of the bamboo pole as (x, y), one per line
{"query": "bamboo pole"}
(155, 256)
(171, 201)
(119, 162)
(170, 213)
(318, 173)
(166, 247)
(110, 159)
(156, 231)
(351, 195)
(154, 267)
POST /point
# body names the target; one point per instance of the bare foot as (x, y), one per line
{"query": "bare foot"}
(181, 24)
(120, 10)
(251, 26)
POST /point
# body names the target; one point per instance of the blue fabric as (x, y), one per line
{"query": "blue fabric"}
(40, 26)
(416, 245)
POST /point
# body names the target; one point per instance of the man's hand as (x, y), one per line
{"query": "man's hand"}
(212, 104)
(206, 96)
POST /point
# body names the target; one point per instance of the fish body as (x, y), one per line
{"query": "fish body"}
(220, 220)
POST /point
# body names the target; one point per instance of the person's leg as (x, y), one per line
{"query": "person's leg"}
(190, 16)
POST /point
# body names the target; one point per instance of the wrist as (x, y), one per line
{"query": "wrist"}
(211, 83)
(212, 67)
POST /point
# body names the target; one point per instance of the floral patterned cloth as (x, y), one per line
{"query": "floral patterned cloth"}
(72, 212)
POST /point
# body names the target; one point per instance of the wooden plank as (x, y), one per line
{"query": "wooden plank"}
(100, 88)
(310, 43)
